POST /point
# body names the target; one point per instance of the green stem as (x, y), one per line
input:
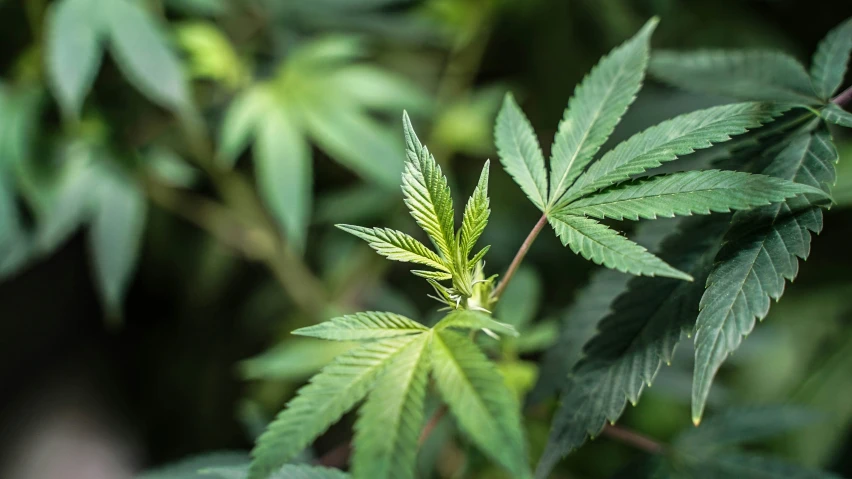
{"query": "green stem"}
(519, 257)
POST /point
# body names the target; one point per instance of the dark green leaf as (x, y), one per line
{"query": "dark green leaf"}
(830, 60)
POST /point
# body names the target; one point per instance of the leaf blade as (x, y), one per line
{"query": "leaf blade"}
(519, 151)
(363, 326)
(397, 246)
(475, 217)
(475, 320)
(830, 60)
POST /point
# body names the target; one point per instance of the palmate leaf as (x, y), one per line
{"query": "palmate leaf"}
(361, 326)
(389, 423)
(475, 320)
(475, 217)
(741, 74)
(485, 409)
(596, 108)
(520, 152)
(603, 245)
(761, 252)
(427, 194)
(834, 114)
(322, 402)
(646, 324)
(397, 246)
(687, 193)
(830, 60)
(669, 140)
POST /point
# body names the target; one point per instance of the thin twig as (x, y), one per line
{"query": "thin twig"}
(433, 422)
(336, 457)
(519, 257)
(843, 98)
(633, 438)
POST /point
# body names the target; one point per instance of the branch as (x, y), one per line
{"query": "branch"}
(519, 257)
(633, 438)
(843, 98)
(433, 422)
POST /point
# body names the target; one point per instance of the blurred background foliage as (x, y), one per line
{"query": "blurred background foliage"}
(170, 171)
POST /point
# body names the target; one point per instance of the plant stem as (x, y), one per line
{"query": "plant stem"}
(433, 422)
(633, 438)
(519, 257)
(843, 98)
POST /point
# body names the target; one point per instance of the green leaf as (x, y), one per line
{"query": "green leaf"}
(361, 326)
(687, 193)
(760, 254)
(389, 423)
(748, 466)
(397, 246)
(283, 172)
(745, 425)
(244, 115)
(625, 355)
(378, 89)
(192, 467)
(140, 49)
(427, 194)
(16, 245)
(74, 51)
(596, 107)
(521, 300)
(598, 243)
(118, 221)
(520, 152)
(484, 407)
(321, 403)
(669, 140)
(475, 217)
(474, 320)
(831, 59)
(70, 206)
(293, 360)
(742, 74)
(288, 471)
(834, 114)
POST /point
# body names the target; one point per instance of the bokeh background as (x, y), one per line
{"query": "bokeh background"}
(151, 268)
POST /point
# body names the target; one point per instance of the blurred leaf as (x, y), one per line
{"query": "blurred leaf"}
(836, 115)
(375, 88)
(190, 468)
(171, 168)
(741, 74)
(467, 124)
(537, 337)
(519, 376)
(283, 171)
(841, 192)
(142, 53)
(521, 300)
(357, 204)
(118, 221)
(830, 60)
(74, 49)
(292, 360)
(747, 466)
(244, 115)
(15, 244)
(199, 7)
(289, 471)
(211, 55)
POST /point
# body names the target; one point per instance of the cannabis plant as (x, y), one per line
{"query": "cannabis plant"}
(398, 355)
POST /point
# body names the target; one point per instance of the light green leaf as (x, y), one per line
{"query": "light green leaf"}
(389, 423)
(646, 323)
(283, 172)
(596, 107)
(361, 326)
(521, 300)
(70, 205)
(669, 140)
(687, 193)
(743, 74)
(140, 49)
(520, 152)
(292, 360)
(118, 221)
(475, 217)
(433, 275)
(598, 243)
(378, 89)
(834, 114)
(427, 194)
(831, 59)
(397, 246)
(210, 54)
(475, 320)
(74, 51)
(321, 403)
(244, 115)
(484, 407)
(761, 252)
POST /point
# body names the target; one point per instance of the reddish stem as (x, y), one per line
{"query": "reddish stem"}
(843, 98)
(519, 257)
(633, 438)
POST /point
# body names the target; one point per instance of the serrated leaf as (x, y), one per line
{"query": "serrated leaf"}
(834, 114)
(283, 172)
(389, 423)
(243, 116)
(140, 49)
(433, 275)
(761, 252)
(427, 194)
(520, 152)
(118, 221)
(596, 107)
(74, 52)
(645, 326)
(292, 360)
(475, 217)
(687, 193)
(742, 74)
(321, 403)
(669, 140)
(361, 326)
(602, 245)
(484, 407)
(397, 246)
(475, 320)
(831, 59)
